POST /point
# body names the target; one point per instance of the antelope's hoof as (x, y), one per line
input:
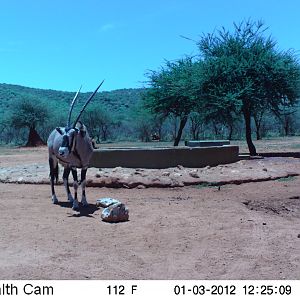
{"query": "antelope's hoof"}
(76, 208)
(75, 205)
(70, 198)
(54, 199)
(84, 203)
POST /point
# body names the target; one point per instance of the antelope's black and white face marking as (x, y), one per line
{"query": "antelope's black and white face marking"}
(68, 136)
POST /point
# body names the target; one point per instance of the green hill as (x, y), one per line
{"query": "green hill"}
(117, 101)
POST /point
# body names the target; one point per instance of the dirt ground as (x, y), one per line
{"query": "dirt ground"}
(245, 231)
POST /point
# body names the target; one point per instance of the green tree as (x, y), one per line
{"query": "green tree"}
(173, 91)
(144, 125)
(220, 112)
(245, 72)
(30, 113)
(98, 121)
(197, 120)
(258, 116)
(286, 118)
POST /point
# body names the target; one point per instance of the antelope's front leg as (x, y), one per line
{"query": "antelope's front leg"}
(83, 184)
(75, 185)
(66, 183)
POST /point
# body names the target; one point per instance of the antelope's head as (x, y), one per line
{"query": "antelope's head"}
(68, 140)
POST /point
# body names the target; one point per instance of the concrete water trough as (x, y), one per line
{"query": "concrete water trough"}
(207, 143)
(159, 158)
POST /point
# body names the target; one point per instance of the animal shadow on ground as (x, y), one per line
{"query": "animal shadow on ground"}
(83, 211)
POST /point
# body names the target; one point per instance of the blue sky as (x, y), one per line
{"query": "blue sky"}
(61, 44)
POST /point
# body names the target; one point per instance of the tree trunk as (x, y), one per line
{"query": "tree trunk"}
(160, 133)
(216, 130)
(258, 137)
(251, 147)
(174, 129)
(104, 130)
(286, 127)
(257, 126)
(230, 132)
(196, 136)
(34, 139)
(179, 134)
(159, 128)
(195, 129)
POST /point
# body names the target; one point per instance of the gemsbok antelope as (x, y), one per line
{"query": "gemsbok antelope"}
(71, 146)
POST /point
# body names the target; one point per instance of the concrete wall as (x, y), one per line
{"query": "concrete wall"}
(207, 143)
(158, 158)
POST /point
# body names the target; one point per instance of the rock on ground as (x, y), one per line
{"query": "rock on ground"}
(115, 213)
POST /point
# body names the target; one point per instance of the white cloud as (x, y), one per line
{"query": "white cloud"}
(107, 27)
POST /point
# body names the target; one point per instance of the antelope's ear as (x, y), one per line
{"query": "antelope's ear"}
(78, 125)
(83, 133)
(58, 129)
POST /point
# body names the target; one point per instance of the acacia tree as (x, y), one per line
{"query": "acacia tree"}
(172, 91)
(99, 122)
(258, 116)
(220, 111)
(30, 113)
(286, 117)
(196, 124)
(244, 71)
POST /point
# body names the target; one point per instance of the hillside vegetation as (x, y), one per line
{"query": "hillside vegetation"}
(117, 105)
(118, 101)
(119, 116)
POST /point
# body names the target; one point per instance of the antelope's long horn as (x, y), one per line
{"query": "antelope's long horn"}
(71, 107)
(86, 103)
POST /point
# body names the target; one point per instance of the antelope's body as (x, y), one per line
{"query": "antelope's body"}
(71, 146)
(78, 149)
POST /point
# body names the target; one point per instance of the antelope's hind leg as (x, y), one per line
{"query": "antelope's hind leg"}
(53, 163)
(83, 185)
